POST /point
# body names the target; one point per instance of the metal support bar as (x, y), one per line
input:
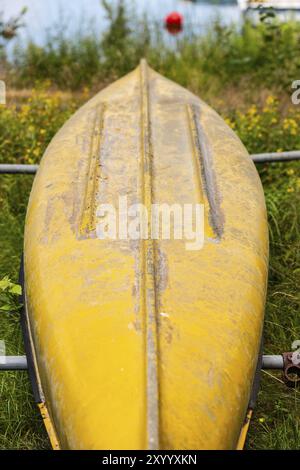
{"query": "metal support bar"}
(287, 364)
(272, 362)
(12, 169)
(13, 363)
(8, 169)
(276, 157)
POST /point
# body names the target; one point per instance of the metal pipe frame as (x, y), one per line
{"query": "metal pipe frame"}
(272, 362)
(12, 169)
(276, 157)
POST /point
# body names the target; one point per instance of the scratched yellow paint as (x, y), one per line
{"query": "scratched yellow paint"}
(143, 344)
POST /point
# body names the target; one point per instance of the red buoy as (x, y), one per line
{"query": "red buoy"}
(174, 22)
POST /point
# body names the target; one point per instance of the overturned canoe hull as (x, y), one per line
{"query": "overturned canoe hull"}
(143, 343)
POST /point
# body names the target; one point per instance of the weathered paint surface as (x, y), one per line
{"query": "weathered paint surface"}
(143, 344)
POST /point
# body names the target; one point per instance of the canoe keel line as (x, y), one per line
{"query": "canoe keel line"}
(149, 345)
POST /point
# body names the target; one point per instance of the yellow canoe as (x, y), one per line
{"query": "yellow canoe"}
(145, 344)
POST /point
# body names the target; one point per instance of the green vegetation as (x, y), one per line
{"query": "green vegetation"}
(246, 75)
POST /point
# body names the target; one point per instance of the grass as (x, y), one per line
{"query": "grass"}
(249, 85)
